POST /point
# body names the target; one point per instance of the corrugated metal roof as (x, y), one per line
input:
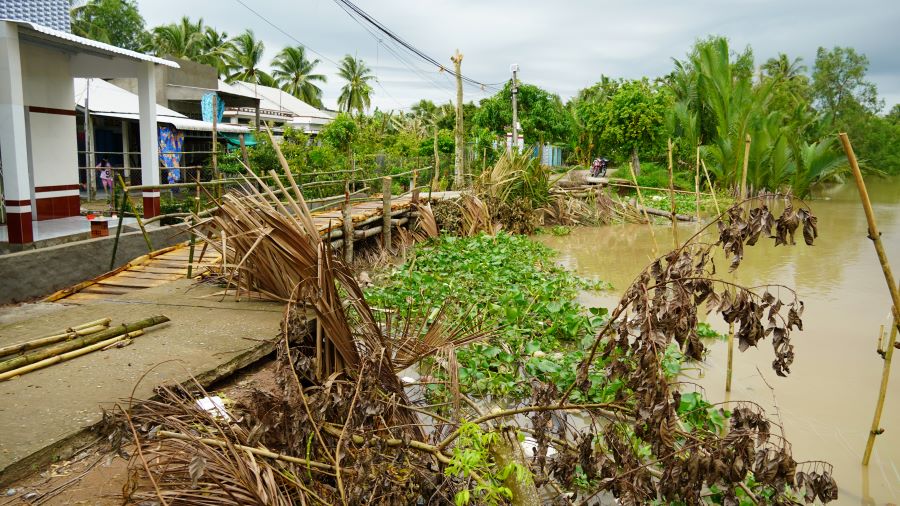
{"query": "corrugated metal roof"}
(52, 13)
(74, 40)
(108, 99)
(279, 100)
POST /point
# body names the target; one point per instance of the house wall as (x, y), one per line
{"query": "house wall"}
(52, 140)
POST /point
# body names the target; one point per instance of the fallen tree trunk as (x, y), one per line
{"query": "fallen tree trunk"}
(80, 342)
(70, 333)
(664, 214)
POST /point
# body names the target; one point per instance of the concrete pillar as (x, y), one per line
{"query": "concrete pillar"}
(13, 139)
(149, 137)
(126, 156)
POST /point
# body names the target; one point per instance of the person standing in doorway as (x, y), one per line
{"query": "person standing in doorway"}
(106, 177)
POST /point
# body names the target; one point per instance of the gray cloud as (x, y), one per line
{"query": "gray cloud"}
(562, 46)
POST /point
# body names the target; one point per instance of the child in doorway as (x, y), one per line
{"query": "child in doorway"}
(106, 178)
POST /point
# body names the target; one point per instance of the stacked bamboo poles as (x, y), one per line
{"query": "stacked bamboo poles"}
(49, 350)
(70, 333)
(875, 236)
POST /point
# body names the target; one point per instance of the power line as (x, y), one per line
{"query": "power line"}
(407, 45)
(288, 35)
(411, 66)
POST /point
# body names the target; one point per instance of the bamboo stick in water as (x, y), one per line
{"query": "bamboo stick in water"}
(875, 236)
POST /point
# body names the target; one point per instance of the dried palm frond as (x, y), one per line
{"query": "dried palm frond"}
(426, 225)
(476, 216)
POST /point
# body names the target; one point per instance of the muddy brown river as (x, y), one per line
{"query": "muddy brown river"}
(827, 402)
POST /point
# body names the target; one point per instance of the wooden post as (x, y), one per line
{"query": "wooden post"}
(414, 187)
(347, 225)
(386, 213)
(875, 236)
(460, 162)
(672, 196)
(744, 172)
(437, 162)
(244, 154)
(697, 182)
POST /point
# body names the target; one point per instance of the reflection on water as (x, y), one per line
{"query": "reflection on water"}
(826, 404)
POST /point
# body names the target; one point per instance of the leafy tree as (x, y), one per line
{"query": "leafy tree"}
(295, 73)
(634, 120)
(116, 22)
(840, 86)
(355, 95)
(244, 60)
(541, 114)
(340, 133)
(586, 111)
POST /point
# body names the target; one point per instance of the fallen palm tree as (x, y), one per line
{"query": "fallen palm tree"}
(341, 427)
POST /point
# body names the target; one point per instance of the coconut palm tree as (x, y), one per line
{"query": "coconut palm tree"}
(294, 72)
(244, 59)
(180, 40)
(355, 95)
(216, 48)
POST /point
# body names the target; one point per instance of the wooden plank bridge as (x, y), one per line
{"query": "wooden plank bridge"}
(163, 266)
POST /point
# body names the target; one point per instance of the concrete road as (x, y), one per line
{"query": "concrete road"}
(42, 408)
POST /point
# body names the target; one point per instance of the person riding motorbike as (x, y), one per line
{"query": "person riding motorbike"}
(598, 167)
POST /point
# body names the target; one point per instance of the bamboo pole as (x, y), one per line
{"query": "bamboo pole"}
(644, 209)
(215, 143)
(250, 449)
(70, 333)
(875, 236)
(697, 182)
(347, 225)
(47, 362)
(136, 216)
(112, 261)
(746, 164)
(190, 270)
(730, 357)
(712, 189)
(386, 213)
(79, 342)
(672, 197)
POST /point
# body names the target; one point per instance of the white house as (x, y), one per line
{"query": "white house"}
(277, 106)
(38, 145)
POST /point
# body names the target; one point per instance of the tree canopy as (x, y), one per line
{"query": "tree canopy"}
(541, 114)
(116, 22)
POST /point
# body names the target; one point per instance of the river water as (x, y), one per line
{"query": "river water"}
(827, 402)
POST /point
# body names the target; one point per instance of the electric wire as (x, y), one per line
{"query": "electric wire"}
(407, 45)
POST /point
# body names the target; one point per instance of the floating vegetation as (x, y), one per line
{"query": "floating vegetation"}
(503, 353)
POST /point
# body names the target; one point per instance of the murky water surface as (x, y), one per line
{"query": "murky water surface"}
(827, 402)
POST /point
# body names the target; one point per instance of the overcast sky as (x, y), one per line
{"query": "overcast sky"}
(562, 46)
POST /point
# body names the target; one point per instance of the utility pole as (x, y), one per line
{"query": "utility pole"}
(515, 116)
(460, 143)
